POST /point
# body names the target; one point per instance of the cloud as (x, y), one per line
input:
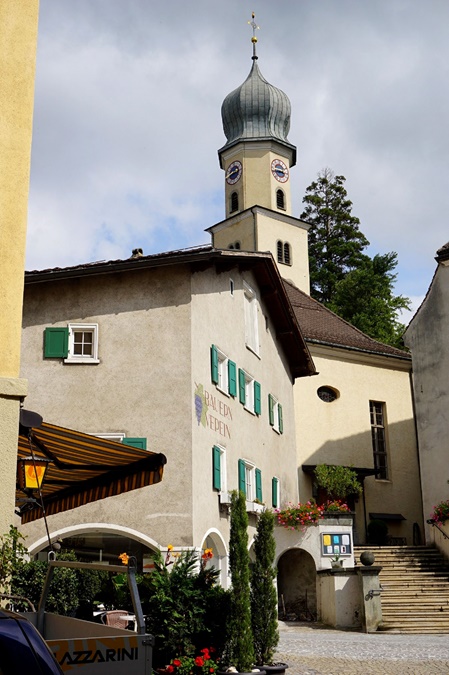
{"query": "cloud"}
(127, 120)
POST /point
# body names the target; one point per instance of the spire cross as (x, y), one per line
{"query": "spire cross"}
(255, 27)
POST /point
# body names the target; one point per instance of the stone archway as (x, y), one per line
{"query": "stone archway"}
(214, 540)
(297, 586)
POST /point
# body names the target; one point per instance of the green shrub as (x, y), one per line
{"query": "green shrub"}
(264, 613)
(338, 481)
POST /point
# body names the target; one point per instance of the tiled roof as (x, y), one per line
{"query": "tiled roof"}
(318, 324)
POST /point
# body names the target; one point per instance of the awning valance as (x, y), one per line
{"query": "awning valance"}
(84, 468)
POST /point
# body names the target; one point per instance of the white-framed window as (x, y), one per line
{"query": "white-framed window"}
(251, 323)
(249, 393)
(83, 343)
(219, 474)
(222, 383)
(250, 480)
(275, 414)
(223, 372)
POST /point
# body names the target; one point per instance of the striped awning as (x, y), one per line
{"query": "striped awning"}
(83, 468)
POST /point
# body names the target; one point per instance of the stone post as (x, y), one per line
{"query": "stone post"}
(370, 604)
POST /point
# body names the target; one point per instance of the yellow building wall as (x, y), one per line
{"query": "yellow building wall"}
(18, 40)
(340, 432)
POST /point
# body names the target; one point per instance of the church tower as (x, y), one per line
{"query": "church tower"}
(257, 158)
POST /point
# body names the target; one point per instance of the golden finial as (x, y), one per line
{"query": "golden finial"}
(255, 27)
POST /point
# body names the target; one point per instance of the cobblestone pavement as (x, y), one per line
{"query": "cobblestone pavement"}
(317, 650)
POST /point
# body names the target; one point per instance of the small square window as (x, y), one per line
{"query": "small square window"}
(83, 343)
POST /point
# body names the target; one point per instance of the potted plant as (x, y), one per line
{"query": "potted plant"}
(264, 612)
(339, 484)
(299, 516)
(239, 650)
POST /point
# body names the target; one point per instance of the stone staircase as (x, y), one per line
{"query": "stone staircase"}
(415, 582)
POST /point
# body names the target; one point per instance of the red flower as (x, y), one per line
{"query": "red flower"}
(176, 662)
(211, 670)
(170, 669)
(199, 661)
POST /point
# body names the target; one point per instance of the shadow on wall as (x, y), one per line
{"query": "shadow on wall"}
(400, 493)
(297, 586)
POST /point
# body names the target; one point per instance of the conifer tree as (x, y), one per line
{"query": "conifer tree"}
(239, 649)
(336, 244)
(350, 283)
(264, 611)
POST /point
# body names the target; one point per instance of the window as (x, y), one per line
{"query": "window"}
(250, 480)
(283, 252)
(249, 392)
(235, 245)
(251, 325)
(219, 468)
(275, 414)
(378, 437)
(280, 199)
(327, 394)
(275, 492)
(234, 202)
(231, 286)
(223, 372)
(75, 343)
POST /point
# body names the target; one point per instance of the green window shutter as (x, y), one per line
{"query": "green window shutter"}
(274, 492)
(257, 398)
(216, 468)
(242, 476)
(214, 364)
(271, 409)
(232, 378)
(56, 343)
(281, 420)
(258, 484)
(140, 443)
(242, 391)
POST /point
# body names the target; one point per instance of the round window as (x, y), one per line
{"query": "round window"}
(327, 394)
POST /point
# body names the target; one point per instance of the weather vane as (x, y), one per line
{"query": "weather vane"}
(255, 27)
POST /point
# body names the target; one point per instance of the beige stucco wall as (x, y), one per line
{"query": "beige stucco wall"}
(340, 432)
(257, 184)
(156, 329)
(218, 318)
(18, 38)
(260, 230)
(140, 387)
(426, 338)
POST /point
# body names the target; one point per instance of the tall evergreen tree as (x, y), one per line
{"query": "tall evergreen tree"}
(342, 276)
(264, 605)
(364, 297)
(239, 650)
(336, 244)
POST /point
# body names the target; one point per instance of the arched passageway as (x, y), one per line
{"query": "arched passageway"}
(297, 586)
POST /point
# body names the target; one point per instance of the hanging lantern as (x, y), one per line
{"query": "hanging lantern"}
(31, 472)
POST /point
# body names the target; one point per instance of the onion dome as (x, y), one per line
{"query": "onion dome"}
(256, 109)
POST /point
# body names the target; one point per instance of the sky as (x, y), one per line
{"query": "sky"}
(127, 120)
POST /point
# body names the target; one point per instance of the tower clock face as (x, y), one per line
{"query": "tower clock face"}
(234, 173)
(279, 169)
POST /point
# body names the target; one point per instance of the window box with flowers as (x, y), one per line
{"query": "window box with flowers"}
(299, 516)
(440, 513)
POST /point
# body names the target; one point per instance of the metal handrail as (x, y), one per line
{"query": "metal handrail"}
(435, 524)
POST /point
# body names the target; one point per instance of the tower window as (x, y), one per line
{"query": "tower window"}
(234, 202)
(284, 252)
(280, 251)
(235, 245)
(280, 199)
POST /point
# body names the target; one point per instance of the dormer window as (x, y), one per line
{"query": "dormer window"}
(283, 252)
(234, 202)
(280, 199)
